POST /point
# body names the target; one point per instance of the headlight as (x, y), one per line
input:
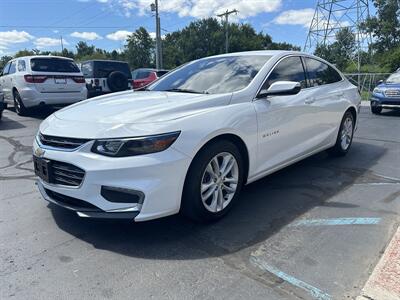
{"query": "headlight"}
(135, 146)
(377, 91)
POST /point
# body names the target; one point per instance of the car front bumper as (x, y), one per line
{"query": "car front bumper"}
(159, 177)
(385, 102)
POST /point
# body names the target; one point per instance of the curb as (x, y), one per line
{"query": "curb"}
(384, 282)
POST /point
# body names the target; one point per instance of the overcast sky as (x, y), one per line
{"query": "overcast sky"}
(106, 23)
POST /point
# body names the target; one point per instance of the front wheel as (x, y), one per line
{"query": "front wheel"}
(345, 136)
(213, 182)
(376, 110)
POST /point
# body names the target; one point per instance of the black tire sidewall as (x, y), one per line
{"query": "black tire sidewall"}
(113, 77)
(192, 204)
(337, 149)
(17, 98)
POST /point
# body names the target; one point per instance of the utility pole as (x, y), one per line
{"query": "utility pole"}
(62, 44)
(159, 63)
(226, 15)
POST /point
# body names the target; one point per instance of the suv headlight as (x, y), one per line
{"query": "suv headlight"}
(377, 91)
(135, 146)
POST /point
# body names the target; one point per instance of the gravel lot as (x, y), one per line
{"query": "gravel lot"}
(269, 247)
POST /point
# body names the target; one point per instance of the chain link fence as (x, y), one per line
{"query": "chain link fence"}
(366, 82)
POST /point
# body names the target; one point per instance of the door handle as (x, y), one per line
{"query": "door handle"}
(309, 100)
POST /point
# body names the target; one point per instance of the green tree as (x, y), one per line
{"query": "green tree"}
(139, 49)
(4, 60)
(84, 50)
(385, 25)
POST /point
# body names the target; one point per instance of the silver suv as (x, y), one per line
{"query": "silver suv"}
(42, 80)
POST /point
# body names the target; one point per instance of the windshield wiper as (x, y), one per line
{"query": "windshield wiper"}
(186, 91)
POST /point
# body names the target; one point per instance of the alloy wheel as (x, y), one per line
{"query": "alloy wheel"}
(219, 182)
(347, 133)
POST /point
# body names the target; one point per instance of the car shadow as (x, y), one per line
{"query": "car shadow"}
(40, 113)
(264, 208)
(9, 124)
(390, 112)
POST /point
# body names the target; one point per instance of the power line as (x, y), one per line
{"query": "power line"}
(226, 15)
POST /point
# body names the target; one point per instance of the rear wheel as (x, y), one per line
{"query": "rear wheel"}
(345, 136)
(19, 106)
(213, 182)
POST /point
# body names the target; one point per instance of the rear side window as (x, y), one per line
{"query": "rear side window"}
(87, 69)
(21, 66)
(13, 68)
(289, 69)
(103, 68)
(320, 73)
(54, 65)
(142, 74)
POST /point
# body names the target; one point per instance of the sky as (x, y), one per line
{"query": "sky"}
(27, 24)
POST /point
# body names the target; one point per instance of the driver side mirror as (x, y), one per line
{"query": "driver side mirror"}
(281, 88)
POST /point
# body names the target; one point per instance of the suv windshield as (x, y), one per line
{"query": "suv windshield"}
(213, 75)
(103, 68)
(394, 78)
(59, 65)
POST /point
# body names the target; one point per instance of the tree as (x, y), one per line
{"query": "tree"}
(83, 49)
(139, 49)
(4, 60)
(385, 26)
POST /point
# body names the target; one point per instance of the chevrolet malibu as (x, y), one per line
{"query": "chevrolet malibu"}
(191, 140)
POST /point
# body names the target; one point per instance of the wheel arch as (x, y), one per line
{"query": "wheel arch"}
(353, 111)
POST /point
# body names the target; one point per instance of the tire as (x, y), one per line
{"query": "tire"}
(195, 203)
(376, 110)
(19, 106)
(117, 81)
(345, 136)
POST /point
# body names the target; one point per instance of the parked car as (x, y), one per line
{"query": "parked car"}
(106, 76)
(386, 94)
(3, 105)
(143, 77)
(42, 80)
(192, 139)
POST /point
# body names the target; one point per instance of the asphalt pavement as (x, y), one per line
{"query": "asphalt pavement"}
(314, 230)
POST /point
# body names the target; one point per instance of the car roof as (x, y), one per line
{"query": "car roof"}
(104, 60)
(42, 56)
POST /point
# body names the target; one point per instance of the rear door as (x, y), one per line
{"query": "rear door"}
(325, 99)
(56, 75)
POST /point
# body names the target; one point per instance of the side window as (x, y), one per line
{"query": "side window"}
(13, 68)
(320, 73)
(87, 69)
(5, 69)
(21, 66)
(289, 69)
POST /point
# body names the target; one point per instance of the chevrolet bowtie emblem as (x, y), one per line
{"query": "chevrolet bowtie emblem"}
(39, 152)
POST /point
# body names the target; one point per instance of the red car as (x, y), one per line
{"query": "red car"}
(143, 77)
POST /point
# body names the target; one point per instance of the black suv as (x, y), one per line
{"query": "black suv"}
(106, 76)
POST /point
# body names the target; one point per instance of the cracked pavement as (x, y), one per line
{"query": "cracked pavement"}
(49, 252)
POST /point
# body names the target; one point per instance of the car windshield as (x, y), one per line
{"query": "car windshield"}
(213, 75)
(394, 78)
(54, 65)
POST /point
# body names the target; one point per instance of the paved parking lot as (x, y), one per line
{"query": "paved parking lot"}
(315, 230)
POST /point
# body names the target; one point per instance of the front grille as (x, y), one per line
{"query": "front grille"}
(71, 202)
(61, 142)
(66, 174)
(392, 93)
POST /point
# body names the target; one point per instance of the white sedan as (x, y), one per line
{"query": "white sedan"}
(190, 141)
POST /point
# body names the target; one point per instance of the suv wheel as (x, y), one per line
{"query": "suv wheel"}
(19, 106)
(213, 182)
(376, 110)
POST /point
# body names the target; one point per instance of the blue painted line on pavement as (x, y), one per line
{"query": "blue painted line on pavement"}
(337, 221)
(313, 291)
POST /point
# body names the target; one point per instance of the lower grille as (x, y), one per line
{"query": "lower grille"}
(66, 174)
(71, 202)
(61, 142)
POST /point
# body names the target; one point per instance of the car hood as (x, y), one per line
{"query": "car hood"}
(389, 85)
(140, 107)
(129, 114)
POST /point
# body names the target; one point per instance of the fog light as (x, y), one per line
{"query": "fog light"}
(122, 195)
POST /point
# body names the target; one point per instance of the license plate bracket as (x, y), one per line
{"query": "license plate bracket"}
(42, 168)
